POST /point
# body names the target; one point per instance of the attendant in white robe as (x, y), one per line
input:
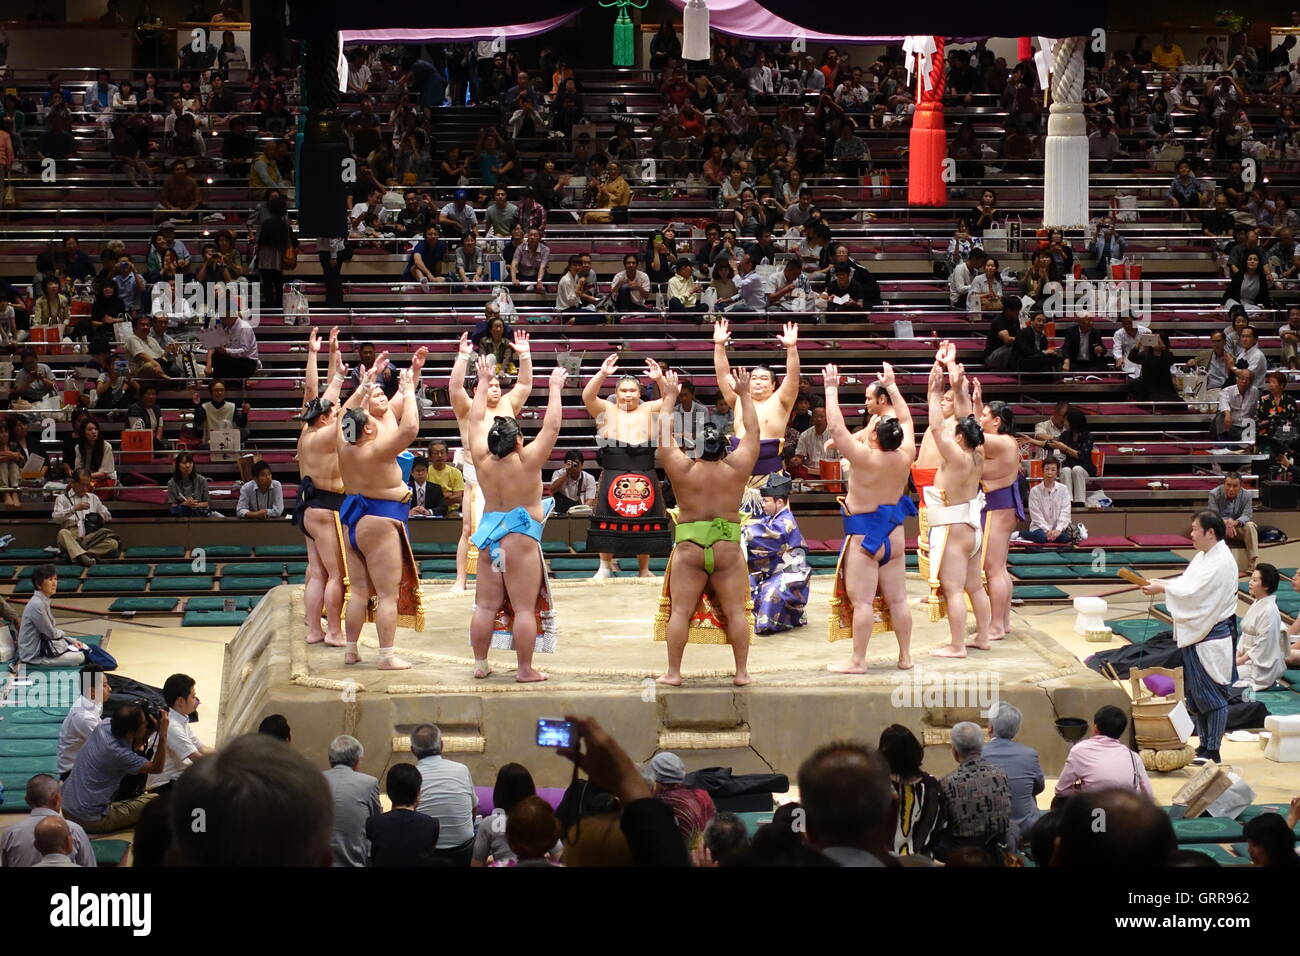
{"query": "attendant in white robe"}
(1203, 604)
(1261, 653)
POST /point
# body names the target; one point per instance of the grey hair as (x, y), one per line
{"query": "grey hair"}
(42, 790)
(967, 738)
(426, 741)
(347, 750)
(1005, 720)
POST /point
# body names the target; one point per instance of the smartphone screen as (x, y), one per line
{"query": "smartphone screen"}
(554, 732)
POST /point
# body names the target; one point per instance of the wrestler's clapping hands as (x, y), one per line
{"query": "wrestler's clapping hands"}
(831, 376)
(406, 381)
(976, 393)
(610, 365)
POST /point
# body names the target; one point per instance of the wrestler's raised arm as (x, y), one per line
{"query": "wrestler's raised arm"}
(524, 384)
(538, 451)
(746, 454)
(789, 390)
(478, 428)
(597, 406)
(655, 372)
(836, 428)
(721, 364)
(673, 460)
(362, 392)
(311, 382)
(398, 404)
(460, 398)
(899, 403)
(338, 371)
(408, 426)
(944, 438)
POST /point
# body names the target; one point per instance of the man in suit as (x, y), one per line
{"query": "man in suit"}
(356, 800)
(1031, 351)
(427, 500)
(1019, 763)
(1083, 349)
(403, 836)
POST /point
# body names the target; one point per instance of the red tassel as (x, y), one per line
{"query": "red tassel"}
(1024, 49)
(928, 143)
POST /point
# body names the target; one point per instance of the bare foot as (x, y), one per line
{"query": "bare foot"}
(672, 680)
(316, 638)
(394, 663)
(905, 662)
(645, 574)
(482, 670)
(996, 634)
(456, 589)
(986, 646)
(849, 668)
(530, 676)
(947, 650)
(351, 657)
(335, 640)
(742, 679)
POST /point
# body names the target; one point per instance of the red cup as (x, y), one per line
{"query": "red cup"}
(1118, 271)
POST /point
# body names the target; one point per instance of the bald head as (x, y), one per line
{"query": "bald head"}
(844, 789)
(53, 836)
(1113, 828)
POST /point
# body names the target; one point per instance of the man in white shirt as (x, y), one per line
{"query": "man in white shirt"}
(574, 297)
(1217, 361)
(261, 499)
(234, 350)
(374, 204)
(1049, 429)
(760, 77)
(71, 509)
(812, 79)
(812, 441)
(963, 274)
(1125, 341)
(17, 844)
(183, 745)
(1252, 356)
(82, 719)
(1049, 507)
(571, 485)
(1236, 407)
(1203, 604)
(853, 94)
(458, 216)
(630, 287)
(447, 794)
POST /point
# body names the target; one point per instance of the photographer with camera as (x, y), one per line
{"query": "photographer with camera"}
(116, 750)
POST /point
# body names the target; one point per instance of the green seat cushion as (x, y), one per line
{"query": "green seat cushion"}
(555, 547)
(295, 567)
(67, 585)
(28, 747)
(109, 852)
(753, 819)
(571, 575)
(438, 564)
(437, 576)
(1027, 558)
(1039, 592)
(1292, 676)
(144, 604)
(1042, 572)
(159, 553)
(823, 560)
(579, 546)
(1254, 810)
(281, 551)
(7, 572)
(1138, 630)
(227, 550)
(658, 564)
(213, 618)
(1153, 557)
(196, 582)
(419, 548)
(251, 583)
(1088, 571)
(1207, 830)
(33, 715)
(119, 569)
(575, 564)
(15, 800)
(1283, 703)
(10, 731)
(173, 569)
(253, 569)
(113, 584)
(1288, 604)
(1221, 854)
(25, 554)
(242, 603)
(13, 766)
(296, 579)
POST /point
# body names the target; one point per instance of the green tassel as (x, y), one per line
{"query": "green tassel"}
(624, 40)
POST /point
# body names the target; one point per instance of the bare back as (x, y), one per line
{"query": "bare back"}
(318, 455)
(510, 482)
(929, 455)
(708, 489)
(880, 480)
(1001, 461)
(959, 473)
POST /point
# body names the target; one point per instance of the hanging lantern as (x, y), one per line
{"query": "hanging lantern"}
(695, 31)
(927, 145)
(624, 30)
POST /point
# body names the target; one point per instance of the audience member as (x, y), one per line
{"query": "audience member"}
(18, 844)
(356, 801)
(978, 797)
(922, 812)
(261, 499)
(1019, 763)
(91, 795)
(403, 836)
(1102, 760)
(82, 518)
(446, 794)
